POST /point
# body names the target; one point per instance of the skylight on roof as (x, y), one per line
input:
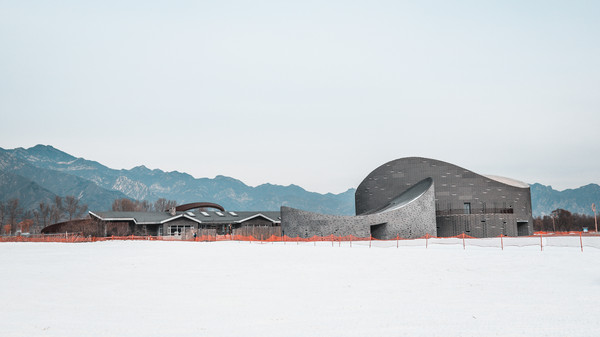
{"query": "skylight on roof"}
(232, 213)
(190, 213)
(219, 213)
(204, 213)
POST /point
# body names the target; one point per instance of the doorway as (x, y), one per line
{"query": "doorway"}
(522, 228)
(379, 231)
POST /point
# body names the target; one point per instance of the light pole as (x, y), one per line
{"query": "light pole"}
(595, 221)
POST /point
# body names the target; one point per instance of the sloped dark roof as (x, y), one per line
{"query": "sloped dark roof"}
(198, 216)
(53, 228)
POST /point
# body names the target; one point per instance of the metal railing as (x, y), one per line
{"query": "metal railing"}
(487, 210)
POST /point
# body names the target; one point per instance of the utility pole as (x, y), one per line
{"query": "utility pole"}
(595, 221)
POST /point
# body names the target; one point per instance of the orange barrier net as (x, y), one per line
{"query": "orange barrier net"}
(541, 239)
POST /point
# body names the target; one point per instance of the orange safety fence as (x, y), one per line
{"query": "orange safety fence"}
(541, 239)
(571, 233)
(70, 237)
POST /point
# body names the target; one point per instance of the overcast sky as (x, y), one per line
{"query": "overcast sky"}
(313, 93)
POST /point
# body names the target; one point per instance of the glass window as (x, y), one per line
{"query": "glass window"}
(467, 208)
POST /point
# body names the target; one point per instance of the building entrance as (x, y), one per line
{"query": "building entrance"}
(522, 228)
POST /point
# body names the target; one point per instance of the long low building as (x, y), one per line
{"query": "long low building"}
(181, 222)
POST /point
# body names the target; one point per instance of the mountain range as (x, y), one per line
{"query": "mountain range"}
(42, 172)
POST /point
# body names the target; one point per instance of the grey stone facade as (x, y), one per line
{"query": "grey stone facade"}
(480, 206)
(411, 197)
(410, 215)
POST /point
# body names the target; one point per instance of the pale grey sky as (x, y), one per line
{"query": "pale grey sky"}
(314, 93)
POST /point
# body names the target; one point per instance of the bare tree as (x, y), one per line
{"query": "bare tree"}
(57, 210)
(123, 205)
(162, 204)
(73, 208)
(563, 219)
(128, 205)
(42, 214)
(14, 212)
(2, 213)
(144, 206)
(25, 225)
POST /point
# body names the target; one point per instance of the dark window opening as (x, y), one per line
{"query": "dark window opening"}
(467, 207)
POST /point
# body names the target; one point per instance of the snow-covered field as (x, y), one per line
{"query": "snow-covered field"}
(141, 288)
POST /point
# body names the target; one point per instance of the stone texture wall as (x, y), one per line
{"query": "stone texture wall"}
(479, 225)
(412, 220)
(490, 200)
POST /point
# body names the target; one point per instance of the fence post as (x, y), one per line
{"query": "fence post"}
(463, 235)
(581, 242)
(541, 244)
(331, 240)
(426, 240)
(370, 239)
(397, 239)
(501, 242)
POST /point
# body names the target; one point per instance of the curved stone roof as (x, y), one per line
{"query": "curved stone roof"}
(410, 214)
(406, 197)
(508, 181)
(454, 185)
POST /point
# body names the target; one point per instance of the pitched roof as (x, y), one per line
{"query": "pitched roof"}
(226, 217)
(142, 218)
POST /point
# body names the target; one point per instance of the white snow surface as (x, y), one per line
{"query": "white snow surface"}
(149, 288)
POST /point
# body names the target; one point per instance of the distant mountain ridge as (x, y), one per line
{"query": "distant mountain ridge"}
(545, 199)
(41, 172)
(142, 183)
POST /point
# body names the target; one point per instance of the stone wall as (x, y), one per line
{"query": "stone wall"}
(411, 220)
(488, 199)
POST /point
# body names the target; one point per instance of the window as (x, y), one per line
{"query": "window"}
(178, 230)
(467, 208)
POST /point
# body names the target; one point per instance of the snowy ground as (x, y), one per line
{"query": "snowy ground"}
(138, 288)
